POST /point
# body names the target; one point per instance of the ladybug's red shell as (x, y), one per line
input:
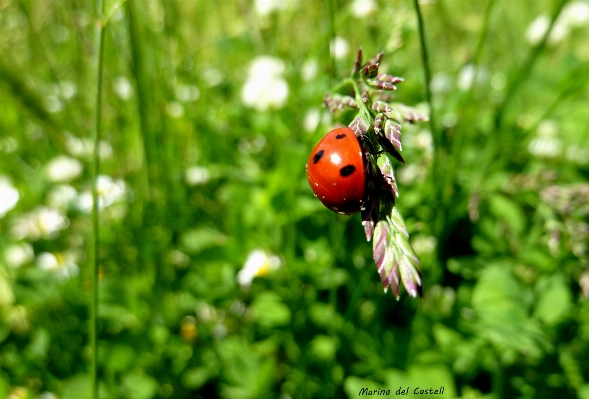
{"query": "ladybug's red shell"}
(335, 170)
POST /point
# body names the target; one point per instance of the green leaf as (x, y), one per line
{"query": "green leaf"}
(324, 347)
(509, 211)
(197, 240)
(140, 386)
(270, 311)
(554, 299)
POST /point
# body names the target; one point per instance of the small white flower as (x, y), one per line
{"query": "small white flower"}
(363, 8)
(53, 104)
(9, 196)
(122, 87)
(109, 192)
(266, 7)
(41, 223)
(470, 74)
(174, 109)
(84, 147)
(312, 119)
(538, 27)
(187, 93)
(575, 14)
(266, 66)
(63, 168)
(67, 89)
(265, 87)
(63, 265)
(545, 147)
(309, 70)
(259, 263)
(17, 255)
(339, 48)
(197, 175)
(547, 128)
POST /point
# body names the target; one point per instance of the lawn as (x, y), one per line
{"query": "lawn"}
(207, 268)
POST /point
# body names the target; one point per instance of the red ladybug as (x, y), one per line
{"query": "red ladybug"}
(335, 170)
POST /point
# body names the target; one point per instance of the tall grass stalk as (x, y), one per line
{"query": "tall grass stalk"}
(95, 220)
(438, 165)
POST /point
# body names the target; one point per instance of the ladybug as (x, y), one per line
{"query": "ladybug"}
(336, 171)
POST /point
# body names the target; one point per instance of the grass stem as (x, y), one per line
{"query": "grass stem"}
(95, 218)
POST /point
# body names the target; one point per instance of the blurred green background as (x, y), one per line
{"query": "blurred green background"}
(220, 275)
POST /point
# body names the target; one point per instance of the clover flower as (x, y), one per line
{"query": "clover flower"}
(62, 265)
(43, 222)
(17, 255)
(63, 168)
(363, 8)
(259, 263)
(9, 196)
(265, 87)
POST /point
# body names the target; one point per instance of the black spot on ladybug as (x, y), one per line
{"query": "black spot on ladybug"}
(347, 170)
(340, 136)
(318, 156)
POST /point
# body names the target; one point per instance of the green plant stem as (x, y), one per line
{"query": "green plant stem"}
(438, 168)
(526, 70)
(498, 139)
(95, 219)
(332, 34)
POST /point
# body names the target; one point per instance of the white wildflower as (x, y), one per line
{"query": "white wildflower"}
(187, 93)
(545, 147)
(546, 144)
(9, 196)
(312, 119)
(259, 263)
(53, 104)
(309, 70)
(265, 87)
(109, 192)
(196, 175)
(63, 168)
(575, 14)
(122, 87)
(538, 27)
(17, 255)
(339, 48)
(469, 75)
(41, 223)
(84, 147)
(63, 265)
(174, 109)
(363, 8)
(266, 7)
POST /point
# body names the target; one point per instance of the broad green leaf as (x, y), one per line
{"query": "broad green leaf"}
(554, 299)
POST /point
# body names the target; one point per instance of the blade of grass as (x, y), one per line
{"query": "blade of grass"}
(490, 158)
(439, 167)
(95, 220)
